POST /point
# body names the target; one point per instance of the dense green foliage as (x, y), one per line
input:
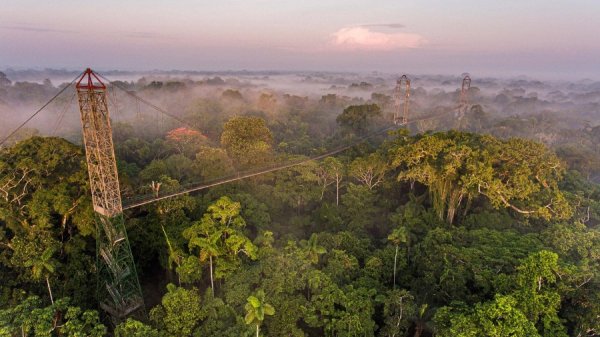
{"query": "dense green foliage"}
(438, 233)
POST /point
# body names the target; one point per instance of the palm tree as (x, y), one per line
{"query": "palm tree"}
(218, 234)
(209, 248)
(397, 237)
(421, 320)
(312, 249)
(43, 266)
(256, 309)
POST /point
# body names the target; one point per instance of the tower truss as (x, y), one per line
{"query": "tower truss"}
(401, 100)
(119, 291)
(463, 101)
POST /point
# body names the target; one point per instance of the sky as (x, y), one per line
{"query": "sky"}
(540, 38)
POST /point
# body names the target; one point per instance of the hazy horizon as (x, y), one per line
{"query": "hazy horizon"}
(540, 39)
(38, 74)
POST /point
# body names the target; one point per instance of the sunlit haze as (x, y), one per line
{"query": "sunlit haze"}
(549, 39)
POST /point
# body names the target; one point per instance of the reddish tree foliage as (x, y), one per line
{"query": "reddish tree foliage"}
(186, 140)
(185, 135)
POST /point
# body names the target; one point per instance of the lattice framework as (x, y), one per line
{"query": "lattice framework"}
(402, 100)
(119, 290)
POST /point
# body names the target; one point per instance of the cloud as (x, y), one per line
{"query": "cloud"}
(384, 25)
(364, 38)
(25, 28)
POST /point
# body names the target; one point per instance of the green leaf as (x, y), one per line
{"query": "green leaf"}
(47, 254)
(269, 310)
(49, 267)
(255, 302)
(249, 318)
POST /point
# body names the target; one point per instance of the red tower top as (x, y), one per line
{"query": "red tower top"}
(90, 85)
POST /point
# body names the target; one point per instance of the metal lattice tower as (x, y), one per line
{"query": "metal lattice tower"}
(119, 290)
(463, 102)
(464, 91)
(402, 91)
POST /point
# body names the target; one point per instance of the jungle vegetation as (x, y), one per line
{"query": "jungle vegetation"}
(478, 231)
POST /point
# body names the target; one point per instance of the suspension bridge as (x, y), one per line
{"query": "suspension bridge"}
(119, 292)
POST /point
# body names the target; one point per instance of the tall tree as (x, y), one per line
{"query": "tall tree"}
(133, 328)
(219, 234)
(369, 171)
(517, 174)
(358, 118)
(45, 208)
(538, 295)
(312, 249)
(336, 170)
(398, 308)
(330, 171)
(247, 140)
(295, 186)
(256, 309)
(30, 318)
(498, 318)
(42, 266)
(180, 311)
(398, 236)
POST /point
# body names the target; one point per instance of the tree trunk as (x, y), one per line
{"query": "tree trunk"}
(49, 290)
(395, 260)
(256, 330)
(212, 284)
(419, 329)
(337, 192)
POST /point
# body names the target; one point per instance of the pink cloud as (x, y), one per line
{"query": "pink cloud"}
(362, 37)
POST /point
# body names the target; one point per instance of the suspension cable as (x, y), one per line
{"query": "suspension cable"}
(62, 114)
(144, 200)
(40, 109)
(237, 177)
(150, 104)
(220, 181)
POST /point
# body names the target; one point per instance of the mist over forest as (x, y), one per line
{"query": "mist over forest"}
(560, 114)
(472, 219)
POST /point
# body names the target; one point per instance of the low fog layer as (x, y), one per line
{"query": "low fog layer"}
(560, 114)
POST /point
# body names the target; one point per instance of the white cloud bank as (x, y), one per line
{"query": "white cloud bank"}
(364, 38)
